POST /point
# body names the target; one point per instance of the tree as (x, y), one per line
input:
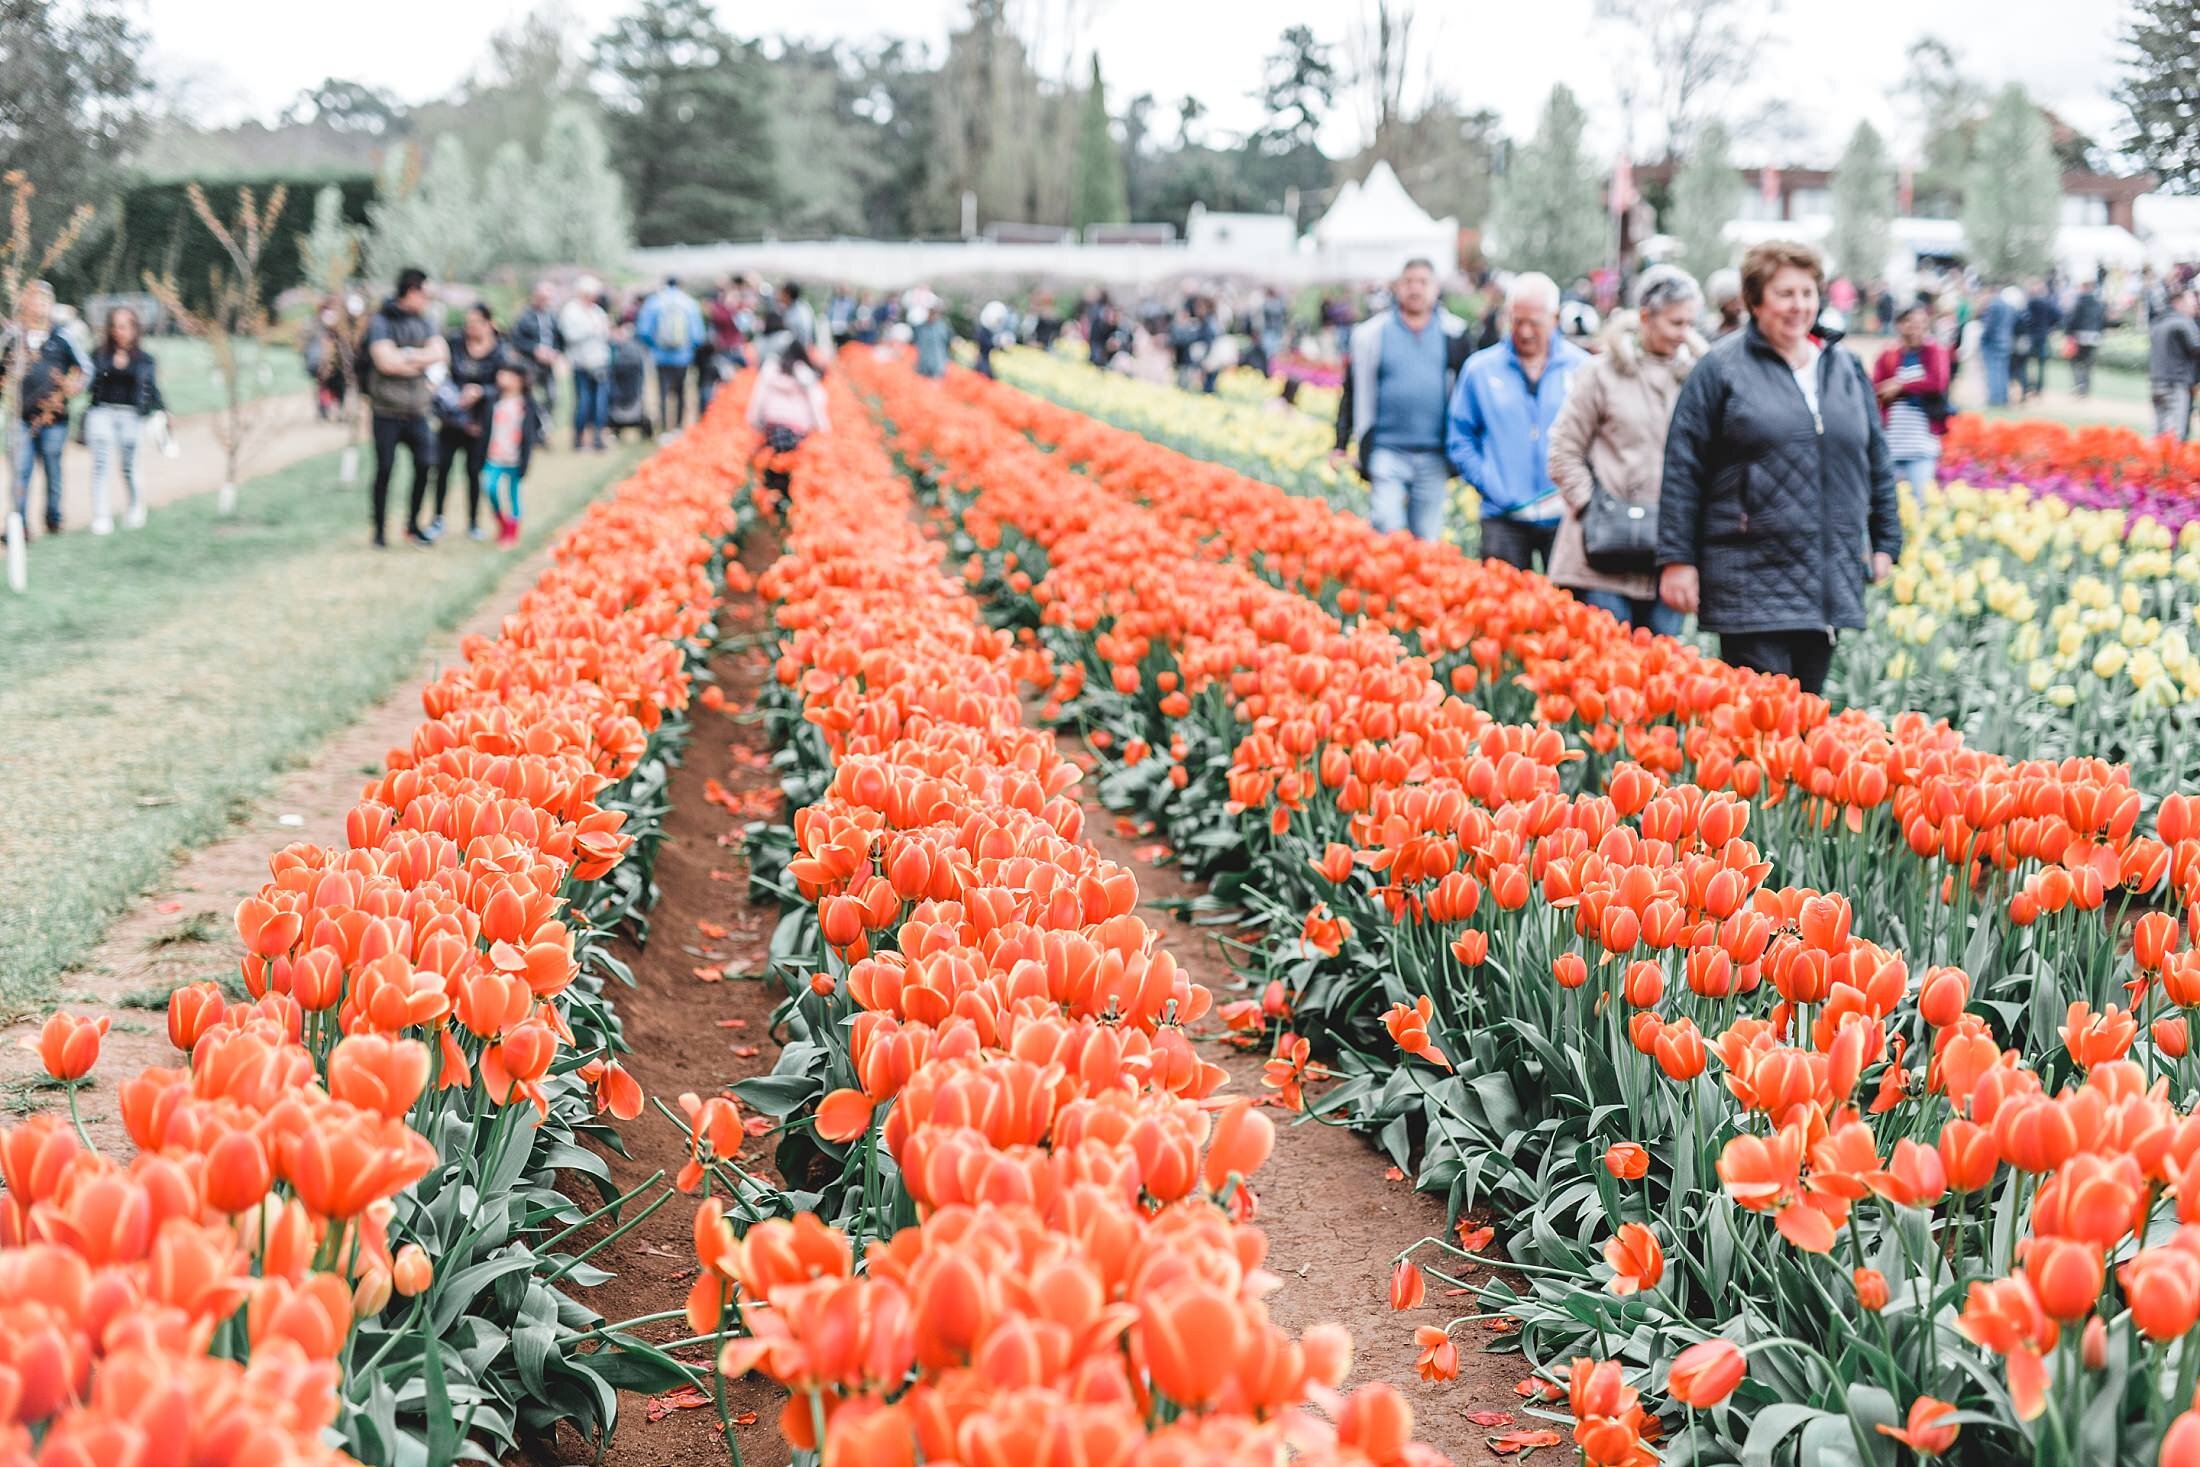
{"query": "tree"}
(1382, 60)
(690, 131)
(2012, 196)
(512, 213)
(1706, 192)
(73, 98)
(431, 218)
(589, 224)
(346, 106)
(1691, 54)
(1446, 156)
(829, 155)
(1863, 205)
(533, 68)
(2161, 87)
(1946, 105)
(235, 327)
(999, 135)
(1549, 212)
(1299, 85)
(1102, 197)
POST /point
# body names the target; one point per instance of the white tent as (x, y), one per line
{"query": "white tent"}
(2084, 250)
(2170, 226)
(1374, 227)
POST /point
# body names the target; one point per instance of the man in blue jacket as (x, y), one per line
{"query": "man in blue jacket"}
(671, 326)
(1499, 431)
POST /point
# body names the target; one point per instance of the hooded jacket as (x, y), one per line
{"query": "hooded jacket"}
(1778, 508)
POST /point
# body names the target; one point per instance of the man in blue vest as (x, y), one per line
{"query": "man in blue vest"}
(1500, 424)
(1399, 368)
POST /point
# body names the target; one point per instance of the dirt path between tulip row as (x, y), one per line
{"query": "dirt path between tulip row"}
(696, 1020)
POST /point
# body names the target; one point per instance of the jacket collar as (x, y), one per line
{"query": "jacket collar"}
(1562, 353)
(1825, 337)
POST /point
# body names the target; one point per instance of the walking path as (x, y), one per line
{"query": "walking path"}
(285, 431)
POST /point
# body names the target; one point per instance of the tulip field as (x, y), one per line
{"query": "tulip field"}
(1808, 1079)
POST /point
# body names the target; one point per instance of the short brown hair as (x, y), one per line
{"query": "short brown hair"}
(1771, 257)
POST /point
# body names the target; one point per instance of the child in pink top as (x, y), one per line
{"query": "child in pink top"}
(513, 422)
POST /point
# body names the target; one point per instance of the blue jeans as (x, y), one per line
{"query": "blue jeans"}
(500, 486)
(1917, 473)
(1997, 376)
(591, 404)
(1406, 491)
(1649, 612)
(34, 446)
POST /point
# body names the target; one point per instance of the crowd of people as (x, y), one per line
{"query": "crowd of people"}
(1745, 474)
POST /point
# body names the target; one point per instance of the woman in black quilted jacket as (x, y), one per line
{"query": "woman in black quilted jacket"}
(1778, 500)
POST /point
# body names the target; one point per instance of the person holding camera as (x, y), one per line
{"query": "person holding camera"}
(1911, 379)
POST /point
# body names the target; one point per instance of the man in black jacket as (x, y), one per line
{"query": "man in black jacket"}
(1779, 495)
(537, 337)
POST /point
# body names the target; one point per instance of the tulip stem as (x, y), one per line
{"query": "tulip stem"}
(76, 1118)
(555, 1239)
(608, 1238)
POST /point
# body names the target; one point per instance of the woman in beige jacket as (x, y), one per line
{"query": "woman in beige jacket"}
(1612, 432)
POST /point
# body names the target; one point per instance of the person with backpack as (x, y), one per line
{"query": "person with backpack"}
(400, 363)
(671, 326)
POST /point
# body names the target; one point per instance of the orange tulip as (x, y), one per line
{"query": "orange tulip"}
(1407, 1288)
(1627, 1161)
(1189, 1343)
(2181, 1443)
(1923, 1432)
(1705, 1374)
(2066, 1274)
(1439, 1357)
(1241, 1142)
(412, 1271)
(1637, 1260)
(1943, 996)
(68, 1046)
(192, 1010)
(378, 1073)
(1871, 1290)
(237, 1173)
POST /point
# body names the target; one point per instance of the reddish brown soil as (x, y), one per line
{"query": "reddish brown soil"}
(690, 1035)
(1335, 1222)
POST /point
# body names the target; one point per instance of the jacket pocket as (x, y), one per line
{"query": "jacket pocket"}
(1728, 515)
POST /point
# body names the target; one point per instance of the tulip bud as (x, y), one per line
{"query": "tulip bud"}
(1871, 1290)
(412, 1272)
(372, 1293)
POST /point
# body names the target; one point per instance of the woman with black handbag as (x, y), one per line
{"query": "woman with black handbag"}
(1608, 451)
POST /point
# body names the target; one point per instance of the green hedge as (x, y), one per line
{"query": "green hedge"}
(153, 229)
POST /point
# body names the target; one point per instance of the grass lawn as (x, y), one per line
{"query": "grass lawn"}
(188, 382)
(152, 682)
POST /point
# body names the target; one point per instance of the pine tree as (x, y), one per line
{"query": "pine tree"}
(2012, 193)
(1706, 192)
(1550, 213)
(1101, 197)
(589, 224)
(1863, 205)
(690, 124)
(2161, 87)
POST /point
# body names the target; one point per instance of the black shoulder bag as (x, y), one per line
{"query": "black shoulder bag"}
(1618, 538)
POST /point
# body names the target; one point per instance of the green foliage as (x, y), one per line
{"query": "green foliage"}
(1947, 105)
(2012, 194)
(72, 101)
(1549, 215)
(1102, 197)
(431, 221)
(1863, 205)
(1706, 191)
(689, 124)
(151, 229)
(588, 222)
(2160, 90)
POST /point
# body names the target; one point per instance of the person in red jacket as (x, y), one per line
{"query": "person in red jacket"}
(1911, 378)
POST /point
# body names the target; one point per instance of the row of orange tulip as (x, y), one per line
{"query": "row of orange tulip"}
(200, 1301)
(1346, 734)
(1083, 1284)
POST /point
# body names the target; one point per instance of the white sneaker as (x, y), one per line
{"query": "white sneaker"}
(134, 518)
(103, 526)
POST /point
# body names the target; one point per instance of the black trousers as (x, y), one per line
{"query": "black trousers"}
(672, 396)
(1804, 656)
(418, 440)
(1515, 543)
(454, 445)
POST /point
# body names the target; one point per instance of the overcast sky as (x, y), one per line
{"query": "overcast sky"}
(1834, 61)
